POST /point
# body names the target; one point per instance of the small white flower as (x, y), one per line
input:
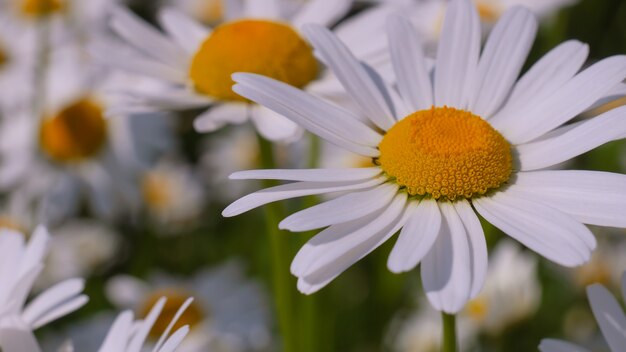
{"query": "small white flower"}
(610, 317)
(172, 194)
(20, 265)
(72, 151)
(229, 313)
(467, 138)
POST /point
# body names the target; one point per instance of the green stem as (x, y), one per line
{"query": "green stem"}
(309, 330)
(280, 253)
(449, 333)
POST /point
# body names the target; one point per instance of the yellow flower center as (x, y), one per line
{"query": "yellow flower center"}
(258, 46)
(156, 190)
(445, 153)
(477, 309)
(41, 8)
(193, 315)
(4, 56)
(76, 133)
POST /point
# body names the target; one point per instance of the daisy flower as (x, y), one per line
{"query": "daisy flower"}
(467, 138)
(17, 49)
(610, 317)
(72, 151)
(172, 194)
(229, 313)
(20, 265)
(197, 62)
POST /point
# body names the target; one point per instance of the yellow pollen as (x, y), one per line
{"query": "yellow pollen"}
(258, 46)
(76, 133)
(4, 57)
(193, 315)
(445, 153)
(41, 8)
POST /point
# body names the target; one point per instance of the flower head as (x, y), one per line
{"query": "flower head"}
(467, 138)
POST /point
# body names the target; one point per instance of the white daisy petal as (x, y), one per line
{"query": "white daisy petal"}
(269, 9)
(584, 137)
(172, 322)
(409, 63)
(329, 253)
(546, 76)
(293, 190)
(18, 340)
(457, 55)
(35, 250)
(543, 229)
(342, 209)
(446, 269)
(175, 340)
(169, 99)
(140, 335)
(316, 111)
(187, 32)
(220, 115)
(60, 311)
(352, 75)
(135, 63)
(591, 197)
(316, 175)
(609, 315)
(53, 296)
(117, 336)
(333, 132)
(322, 12)
(477, 243)
(501, 62)
(417, 236)
(141, 35)
(552, 345)
(570, 100)
(273, 126)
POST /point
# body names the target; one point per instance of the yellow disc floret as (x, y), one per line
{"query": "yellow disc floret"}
(41, 8)
(193, 315)
(78, 132)
(445, 153)
(258, 46)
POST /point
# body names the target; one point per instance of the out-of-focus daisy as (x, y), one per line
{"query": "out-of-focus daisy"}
(511, 277)
(229, 313)
(20, 265)
(606, 265)
(467, 138)
(72, 152)
(125, 333)
(610, 317)
(79, 248)
(172, 194)
(198, 62)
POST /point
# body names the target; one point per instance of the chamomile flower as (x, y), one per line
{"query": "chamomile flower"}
(610, 317)
(468, 138)
(172, 194)
(20, 265)
(197, 62)
(229, 313)
(72, 152)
